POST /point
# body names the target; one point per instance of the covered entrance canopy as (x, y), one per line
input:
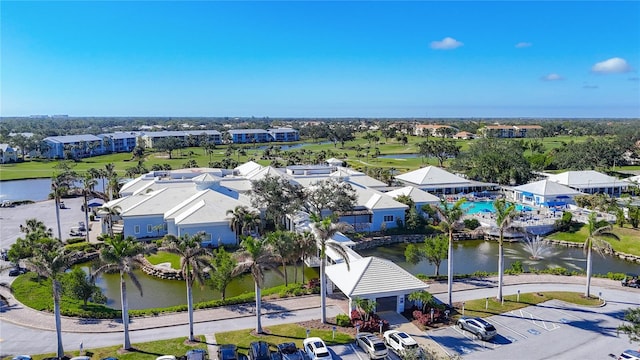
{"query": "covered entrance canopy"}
(375, 278)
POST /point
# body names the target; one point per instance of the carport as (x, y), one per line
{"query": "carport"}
(375, 279)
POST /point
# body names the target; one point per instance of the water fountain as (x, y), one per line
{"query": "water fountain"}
(537, 247)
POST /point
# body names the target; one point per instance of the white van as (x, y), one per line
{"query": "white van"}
(629, 355)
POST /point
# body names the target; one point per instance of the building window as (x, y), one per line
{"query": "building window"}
(136, 229)
(149, 228)
(388, 218)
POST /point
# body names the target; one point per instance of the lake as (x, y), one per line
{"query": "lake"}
(31, 189)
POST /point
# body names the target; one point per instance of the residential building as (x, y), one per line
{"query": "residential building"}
(119, 141)
(509, 131)
(439, 181)
(591, 182)
(433, 130)
(248, 136)
(544, 193)
(464, 135)
(284, 134)
(7, 154)
(78, 146)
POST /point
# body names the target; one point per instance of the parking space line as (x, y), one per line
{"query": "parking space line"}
(441, 347)
(510, 328)
(473, 339)
(535, 320)
(355, 351)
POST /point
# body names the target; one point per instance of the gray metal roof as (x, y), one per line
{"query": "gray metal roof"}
(67, 139)
(247, 131)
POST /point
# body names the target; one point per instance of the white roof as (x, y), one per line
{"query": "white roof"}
(266, 171)
(586, 179)
(247, 168)
(372, 275)
(334, 161)
(633, 179)
(433, 175)
(206, 209)
(374, 199)
(159, 201)
(546, 188)
(417, 195)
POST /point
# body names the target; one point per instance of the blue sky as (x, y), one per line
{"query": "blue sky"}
(321, 59)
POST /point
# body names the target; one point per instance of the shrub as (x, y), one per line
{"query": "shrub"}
(75, 240)
(343, 320)
(471, 224)
(373, 325)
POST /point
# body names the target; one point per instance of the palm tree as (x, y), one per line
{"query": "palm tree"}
(109, 212)
(88, 182)
(35, 226)
(505, 213)
(596, 241)
(193, 262)
(324, 230)
(283, 245)
(243, 220)
(450, 217)
(256, 257)
(305, 246)
(50, 260)
(58, 188)
(122, 255)
(109, 174)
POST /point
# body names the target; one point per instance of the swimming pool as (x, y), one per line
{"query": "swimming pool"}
(474, 207)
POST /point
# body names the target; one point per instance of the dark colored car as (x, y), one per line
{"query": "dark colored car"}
(259, 350)
(227, 352)
(289, 351)
(17, 271)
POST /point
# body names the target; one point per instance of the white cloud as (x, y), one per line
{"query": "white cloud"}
(446, 44)
(611, 66)
(551, 77)
(523, 44)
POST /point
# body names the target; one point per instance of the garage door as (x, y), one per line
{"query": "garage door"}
(386, 303)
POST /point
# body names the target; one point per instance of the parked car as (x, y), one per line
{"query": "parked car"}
(259, 350)
(477, 326)
(22, 357)
(196, 354)
(15, 271)
(372, 345)
(166, 357)
(629, 355)
(4, 254)
(316, 349)
(82, 226)
(227, 352)
(401, 342)
(631, 280)
(289, 351)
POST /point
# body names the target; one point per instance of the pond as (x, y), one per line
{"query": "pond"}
(479, 255)
(31, 189)
(158, 293)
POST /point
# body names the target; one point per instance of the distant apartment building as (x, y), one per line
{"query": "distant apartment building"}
(7, 154)
(284, 134)
(119, 141)
(78, 146)
(247, 136)
(432, 130)
(509, 131)
(191, 137)
(464, 135)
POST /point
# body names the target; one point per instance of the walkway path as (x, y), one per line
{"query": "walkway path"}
(31, 324)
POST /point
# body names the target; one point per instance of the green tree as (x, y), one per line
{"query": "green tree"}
(50, 260)
(632, 328)
(256, 257)
(423, 297)
(305, 247)
(450, 217)
(366, 306)
(122, 255)
(283, 246)
(329, 195)
(440, 149)
(494, 160)
(88, 183)
(168, 145)
(278, 196)
(78, 285)
(193, 262)
(596, 240)
(324, 230)
(434, 250)
(243, 220)
(505, 213)
(222, 265)
(109, 213)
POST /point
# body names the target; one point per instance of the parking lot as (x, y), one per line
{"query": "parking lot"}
(549, 330)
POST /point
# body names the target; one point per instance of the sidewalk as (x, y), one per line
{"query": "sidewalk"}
(19, 314)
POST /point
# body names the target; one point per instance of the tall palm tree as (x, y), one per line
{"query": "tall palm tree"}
(109, 212)
(35, 226)
(50, 260)
(193, 263)
(450, 216)
(282, 244)
(256, 257)
(324, 230)
(596, 240)
(123, 255)
(505, 213)
(243, 220)
(88, 183)
(305, 246)
(58, 189)
(109, 173)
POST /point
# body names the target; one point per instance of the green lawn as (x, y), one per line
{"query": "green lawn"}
(45, 168)
(279, 334)
(165, 257)
(478, 308)
(142, 351)
(629, 238)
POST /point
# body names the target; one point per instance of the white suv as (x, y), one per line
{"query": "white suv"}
(400, 342)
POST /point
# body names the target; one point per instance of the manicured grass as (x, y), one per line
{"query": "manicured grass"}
(629, 238)
(478, 308)
(165, 257)
(142, 351)
(278, 334)
(37, 294)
